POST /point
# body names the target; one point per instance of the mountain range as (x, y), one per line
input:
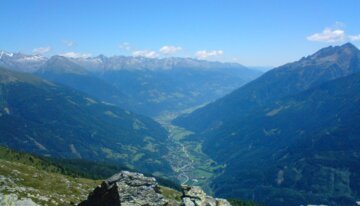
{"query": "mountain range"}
(290, 136)
(153, 87)
(21, 62)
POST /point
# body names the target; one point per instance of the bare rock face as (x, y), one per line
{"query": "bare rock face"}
(126, 189)
(195, 196)
(134, 189)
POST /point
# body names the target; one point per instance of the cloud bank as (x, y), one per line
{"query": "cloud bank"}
(328, 35)
(41, 50)
(203, 54)
(332, 35)
(168, 50)
(145, 53)
(76, 55)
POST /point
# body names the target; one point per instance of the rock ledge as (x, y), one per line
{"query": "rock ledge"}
(134, 189)
(195, 196)
(126, 188)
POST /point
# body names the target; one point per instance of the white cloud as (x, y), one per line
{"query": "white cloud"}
(333, 34)
(328, 35)
(167, 50)
(41, 50)
(354, 37)
(76, 55)
(69, 43)
(125, 46)
(203, 54)
(146, 53)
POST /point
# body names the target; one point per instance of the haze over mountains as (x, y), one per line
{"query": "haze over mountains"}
(290, 136)
(147, 86)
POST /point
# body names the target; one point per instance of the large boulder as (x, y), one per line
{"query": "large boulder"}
(126, 189)
(134, 189)
(195, 196)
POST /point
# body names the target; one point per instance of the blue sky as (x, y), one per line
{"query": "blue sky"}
(253, 32)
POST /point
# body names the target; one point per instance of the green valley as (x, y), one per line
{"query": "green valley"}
(190, 165)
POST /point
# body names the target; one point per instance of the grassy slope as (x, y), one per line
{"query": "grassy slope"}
(61, 182)
(44, 181)
(56, 182)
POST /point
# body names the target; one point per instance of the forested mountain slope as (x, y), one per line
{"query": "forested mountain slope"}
(44, 118)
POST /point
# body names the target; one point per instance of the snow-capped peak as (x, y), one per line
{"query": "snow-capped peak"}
(3, 53)
(21, 62)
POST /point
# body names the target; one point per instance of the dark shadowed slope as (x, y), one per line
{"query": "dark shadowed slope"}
(326, 64)
(291, 136)
(299, 150)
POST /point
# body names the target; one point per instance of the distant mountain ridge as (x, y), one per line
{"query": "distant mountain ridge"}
(31, 63)
(150, 86)
(21, 62)
(102, 62)
(60, 64)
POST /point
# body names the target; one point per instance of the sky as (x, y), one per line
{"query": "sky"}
(250, 32)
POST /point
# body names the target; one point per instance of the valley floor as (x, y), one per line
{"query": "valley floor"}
(190, 165)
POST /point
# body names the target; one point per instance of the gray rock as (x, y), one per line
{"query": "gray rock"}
(126, 188)
(195, 196)
(134, 189)
(187, 201)
(13, 199)
(222, 202)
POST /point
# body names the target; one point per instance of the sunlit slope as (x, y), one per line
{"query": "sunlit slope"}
(44, 118)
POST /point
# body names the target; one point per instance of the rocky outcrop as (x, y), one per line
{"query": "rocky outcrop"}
(14, 200)
(195, 196)
(126, 189)
(134, 189)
